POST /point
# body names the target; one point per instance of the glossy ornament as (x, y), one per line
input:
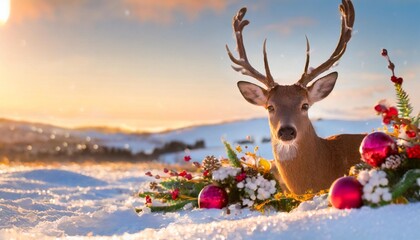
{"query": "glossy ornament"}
(212, 196)
(376, 147)
(345, 193)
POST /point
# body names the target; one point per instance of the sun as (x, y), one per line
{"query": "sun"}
(4, 11)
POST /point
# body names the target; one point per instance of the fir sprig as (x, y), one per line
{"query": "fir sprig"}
(231, 154)
(403, 102)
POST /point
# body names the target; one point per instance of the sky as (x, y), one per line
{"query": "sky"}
(152, 65)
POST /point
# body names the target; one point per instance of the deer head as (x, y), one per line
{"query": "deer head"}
(288, 105)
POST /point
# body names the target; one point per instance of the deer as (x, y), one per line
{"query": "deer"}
(304, 161)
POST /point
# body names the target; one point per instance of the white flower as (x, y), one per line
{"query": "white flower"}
(387, 196)
(240, 185)
(375, 198)
(225, 172)
(418, 181)
(247, 202)
(375, 186)
(253, 197)
(383, 181)
(363, 177)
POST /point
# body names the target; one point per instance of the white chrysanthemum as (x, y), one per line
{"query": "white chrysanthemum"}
(375, 186)
(225, 172)
(363, 177)
(247, 202)
(257, 188)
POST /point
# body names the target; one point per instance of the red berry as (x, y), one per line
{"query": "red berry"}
(175, 193)
(188, 176)
(187, 158)
(413, 152)
(392, 111)
(149, 174)
(148, 199)
(380, 108)
(386, 120)
(183, 173)
(206, 173)
(384, 52)
(165, 170)
(399, 80)
(394, 79)
(411, 133)
(240, 177)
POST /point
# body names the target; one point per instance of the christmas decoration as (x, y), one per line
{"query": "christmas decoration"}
(245, 182)
(376, 147)
(389, 173)
(211, 163)
(392, 162)
(346, 192)
(212, 196)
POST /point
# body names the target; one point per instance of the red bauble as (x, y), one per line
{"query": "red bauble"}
(376, 147)
(346, 192)
(212, 196)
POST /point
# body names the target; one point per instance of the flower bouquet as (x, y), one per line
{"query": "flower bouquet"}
(242, 182)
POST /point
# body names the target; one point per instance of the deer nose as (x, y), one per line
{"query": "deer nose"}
(287, 133)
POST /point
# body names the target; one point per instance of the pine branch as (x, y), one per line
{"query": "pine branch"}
(233, 158)
(403, 102)
(409, 179)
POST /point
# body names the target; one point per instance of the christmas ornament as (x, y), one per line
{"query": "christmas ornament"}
(376, 147)
(346, 192)
(212, 196)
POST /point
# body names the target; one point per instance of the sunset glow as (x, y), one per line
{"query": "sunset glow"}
(151, 65)
(4, 11)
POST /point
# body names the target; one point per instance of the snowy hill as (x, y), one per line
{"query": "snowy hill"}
(97, 202)
(35, 138)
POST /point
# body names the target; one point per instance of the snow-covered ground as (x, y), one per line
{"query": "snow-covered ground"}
(98, 200)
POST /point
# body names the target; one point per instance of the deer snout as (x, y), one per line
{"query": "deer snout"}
(287, 133)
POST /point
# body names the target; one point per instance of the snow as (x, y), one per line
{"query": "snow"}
(97, 201)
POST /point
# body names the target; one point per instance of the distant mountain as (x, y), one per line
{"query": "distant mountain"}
(22, 136)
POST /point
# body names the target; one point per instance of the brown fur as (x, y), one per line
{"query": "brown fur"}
(319, 162)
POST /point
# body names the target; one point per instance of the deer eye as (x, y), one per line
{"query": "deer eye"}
(305, 107)
(270, 108)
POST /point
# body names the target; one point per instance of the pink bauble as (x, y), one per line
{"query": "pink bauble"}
(376, 147)
(346, 192)
(212, 196)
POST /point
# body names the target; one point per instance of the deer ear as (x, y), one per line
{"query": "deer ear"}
(322, 87)
(253, 93)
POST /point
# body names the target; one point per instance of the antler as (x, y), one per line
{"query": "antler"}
(243, 64)
(347, 21)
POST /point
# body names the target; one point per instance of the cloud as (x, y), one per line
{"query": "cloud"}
(45, 9)
(155, 11)
(285, 28)
(358, 93)
(164, 11)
